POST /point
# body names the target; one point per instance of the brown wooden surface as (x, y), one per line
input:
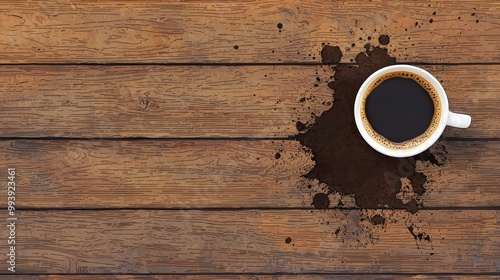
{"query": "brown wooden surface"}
(254, 241)
(193, 101)
(211, 174)
(220, 208)
(207, 31)
(252, 277)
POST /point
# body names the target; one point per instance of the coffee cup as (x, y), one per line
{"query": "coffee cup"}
(402, 110)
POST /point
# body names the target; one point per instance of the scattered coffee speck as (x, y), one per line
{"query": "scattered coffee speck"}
(473, 14)
(434, 13)
(369, 38)
(377, 220)
(416, 23)
(477, 21)
(431, 20)
(419, 236)
(321, 201)
(330, 54)
(236, 47)
(384, 39)
(277, 155)
(280, 25)
(288, 240)
(410, 229)
(353, 45)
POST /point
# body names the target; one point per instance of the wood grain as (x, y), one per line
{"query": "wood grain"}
(252, 277)
(193, 241)
(206, 31)
(212, 174)
(210, 101)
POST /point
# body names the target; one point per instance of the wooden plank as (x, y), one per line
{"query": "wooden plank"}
(208, 174)
(251, 277)
(191, 101)
(125, 241)
(207, 31)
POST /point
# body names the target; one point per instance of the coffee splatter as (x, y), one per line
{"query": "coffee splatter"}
(300, 126)
(344, 161)
(236, 47)
(277, 156)
(418, 235)
(377, 220)
(288, 240)
(330, 55)
(321, 201)
(384, 39)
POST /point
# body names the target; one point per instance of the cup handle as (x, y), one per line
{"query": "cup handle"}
(458, 120)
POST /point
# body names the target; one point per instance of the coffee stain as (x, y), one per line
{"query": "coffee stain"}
(344, 162)
(330, 54)
(419, 235)
(321, 201)
(384, 39)
(377, 220)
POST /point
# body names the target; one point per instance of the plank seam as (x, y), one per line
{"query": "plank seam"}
(147, 138)
(229, 209)
(271, 274)
(224, 64)
(288, 138)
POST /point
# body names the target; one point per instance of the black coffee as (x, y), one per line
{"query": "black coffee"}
(399, 109)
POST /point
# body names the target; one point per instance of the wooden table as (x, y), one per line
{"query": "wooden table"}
(144, 135)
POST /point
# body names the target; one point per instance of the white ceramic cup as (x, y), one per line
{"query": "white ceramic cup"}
(447, 117)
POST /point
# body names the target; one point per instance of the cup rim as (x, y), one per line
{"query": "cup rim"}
(429, 141)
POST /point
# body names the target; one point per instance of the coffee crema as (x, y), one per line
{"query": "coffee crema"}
(397, 114)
